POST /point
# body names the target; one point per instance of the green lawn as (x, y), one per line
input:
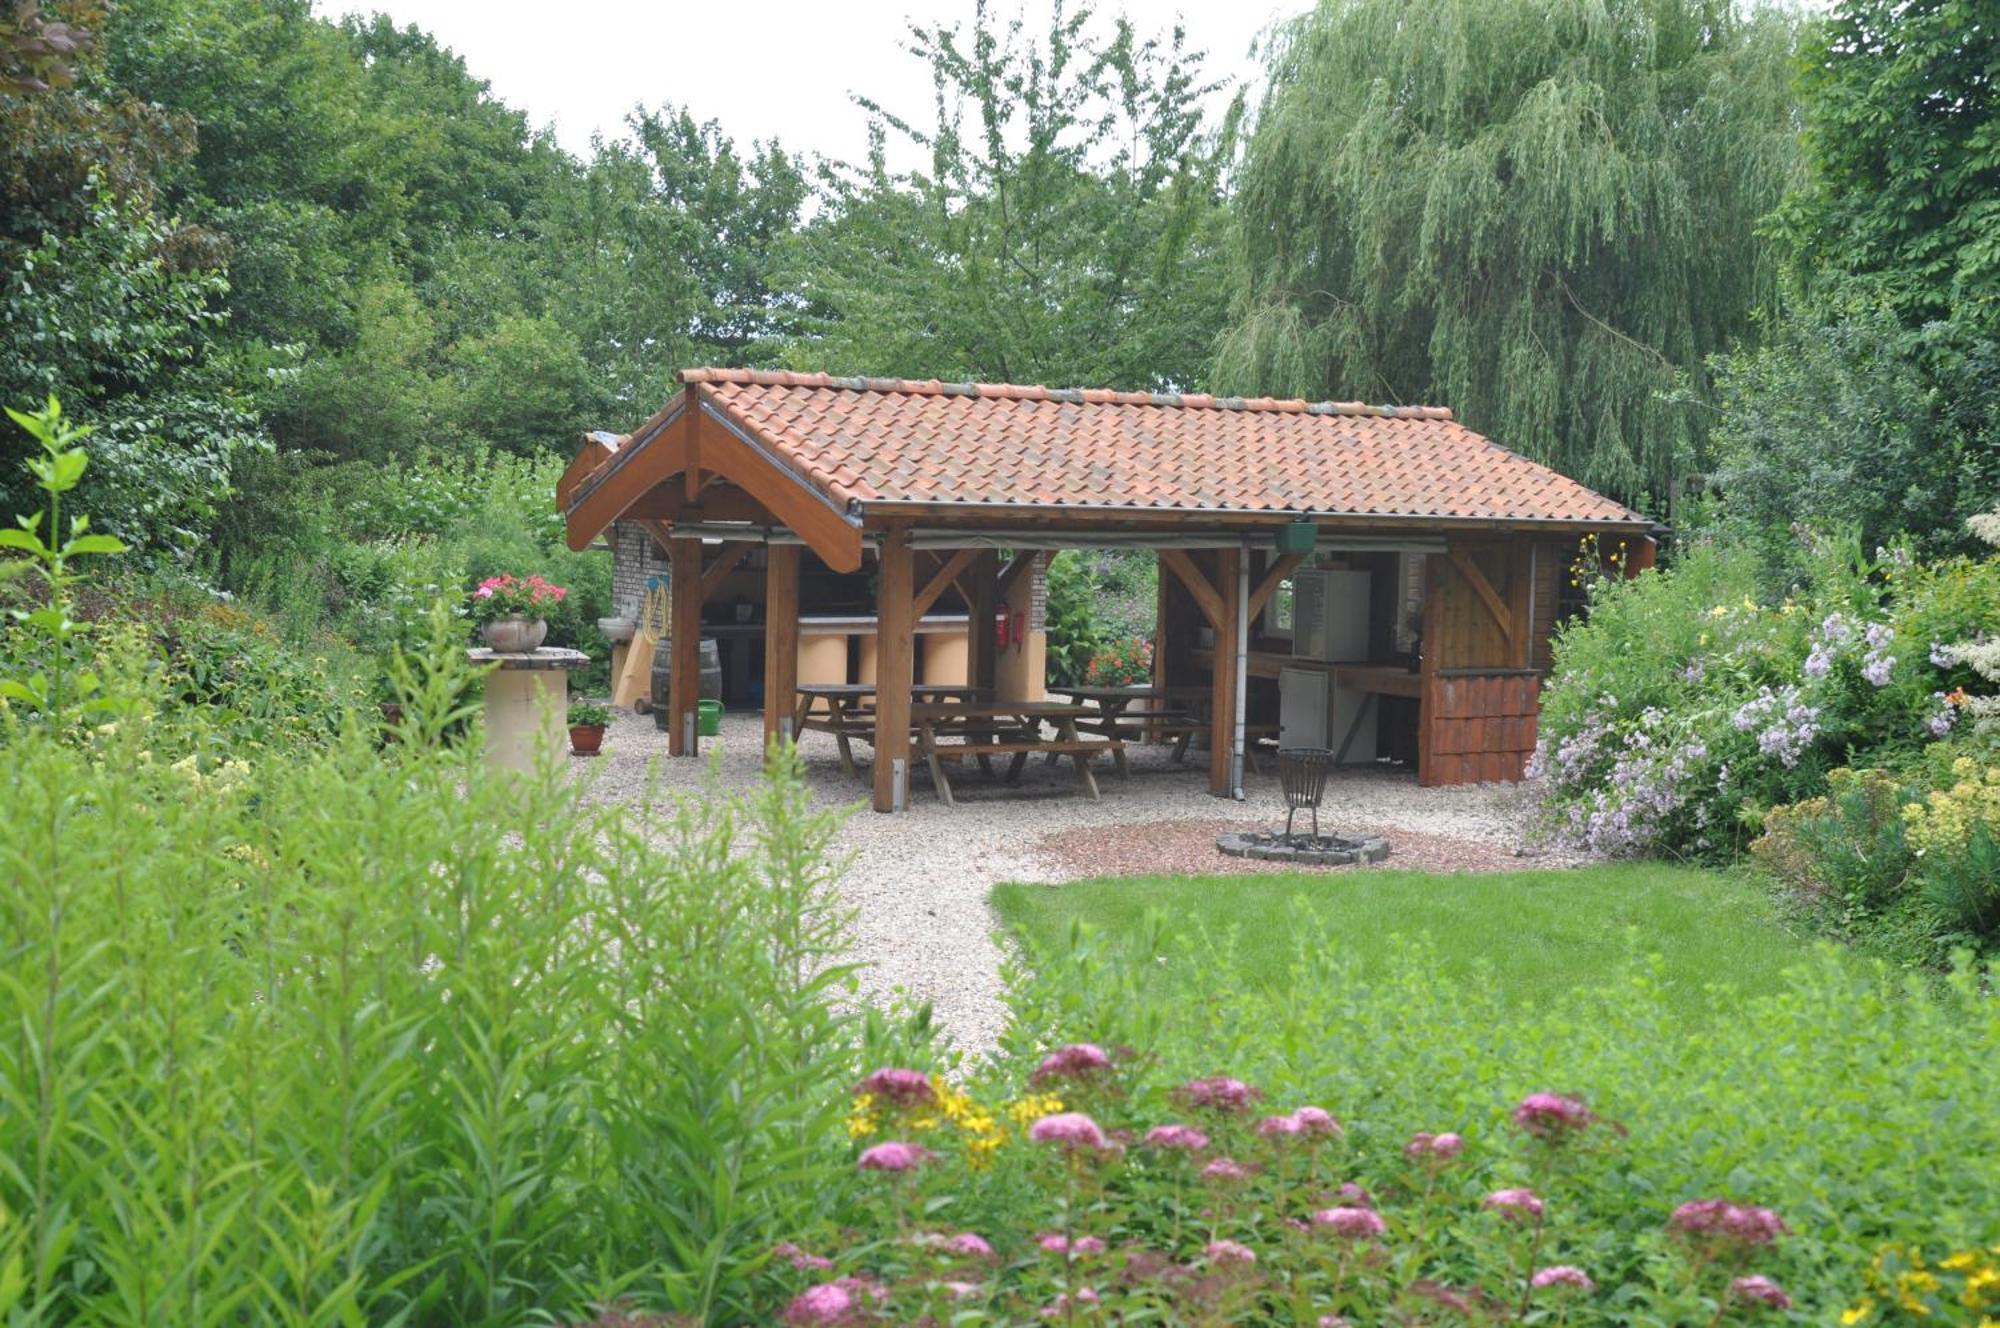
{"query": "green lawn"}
(1534, 932)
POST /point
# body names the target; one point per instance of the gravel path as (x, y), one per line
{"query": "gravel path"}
(919, 881)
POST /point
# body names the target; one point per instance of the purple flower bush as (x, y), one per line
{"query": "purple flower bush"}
(1690, 701)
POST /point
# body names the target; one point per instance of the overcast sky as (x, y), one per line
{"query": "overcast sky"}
(764, 68)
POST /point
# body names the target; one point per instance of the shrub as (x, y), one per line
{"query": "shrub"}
(1462, 1147)
(1684, 708)
(1121, 664)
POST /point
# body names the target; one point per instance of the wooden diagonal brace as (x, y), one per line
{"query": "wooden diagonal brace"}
(731, 558)
(1462, 562)
(947, 574)
(1284, 567)
(1205, 596)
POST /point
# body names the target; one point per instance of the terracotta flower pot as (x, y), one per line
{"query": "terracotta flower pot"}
(515, 635)
(585, 739)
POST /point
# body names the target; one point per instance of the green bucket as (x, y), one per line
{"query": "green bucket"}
(711, 717)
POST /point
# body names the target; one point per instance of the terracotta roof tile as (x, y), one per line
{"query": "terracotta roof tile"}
(889, 440)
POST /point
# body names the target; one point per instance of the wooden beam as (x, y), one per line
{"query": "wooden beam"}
(1519, 579)
(684, 692)
(692, 477)
(1488, 596)
(728, 560)
(982, 603)
(1011, 573)
(947, 574)
(895, 670)
(1222, 698)
(781, 643)
(803, 508)
(1198, 586)
(719, 501)
(1286, 564)
(1428, 774)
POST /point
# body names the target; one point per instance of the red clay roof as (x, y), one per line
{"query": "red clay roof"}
(876, 440)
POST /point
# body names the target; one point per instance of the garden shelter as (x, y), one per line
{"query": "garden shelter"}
(959, 485)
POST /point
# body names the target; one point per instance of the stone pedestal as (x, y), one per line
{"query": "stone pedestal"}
(527, 705)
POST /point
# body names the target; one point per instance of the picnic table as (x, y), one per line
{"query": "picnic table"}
(1174, 712)
(1006, 728)
(847, 711)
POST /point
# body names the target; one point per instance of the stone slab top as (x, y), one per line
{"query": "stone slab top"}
(551, 658)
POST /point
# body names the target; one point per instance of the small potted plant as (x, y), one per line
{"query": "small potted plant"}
(586, 727)
(509, 611)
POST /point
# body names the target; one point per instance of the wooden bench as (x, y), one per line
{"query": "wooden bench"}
(1005, 729)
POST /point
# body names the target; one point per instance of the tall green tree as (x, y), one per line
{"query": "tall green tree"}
(1541, 213)
(1902, 133)
(1874, 405)
(1068, 226)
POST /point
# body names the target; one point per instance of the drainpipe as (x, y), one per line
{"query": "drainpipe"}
(1242, 668)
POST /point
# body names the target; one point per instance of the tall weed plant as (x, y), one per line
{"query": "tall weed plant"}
(360, 1033)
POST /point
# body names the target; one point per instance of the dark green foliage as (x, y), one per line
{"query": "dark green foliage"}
(1902, 133)
(1539, 216)
(1845, 419)
(1070, 617)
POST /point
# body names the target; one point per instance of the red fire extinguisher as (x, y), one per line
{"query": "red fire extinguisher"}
(1000, 617)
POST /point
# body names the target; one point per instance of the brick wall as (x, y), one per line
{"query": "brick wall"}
(634, 559)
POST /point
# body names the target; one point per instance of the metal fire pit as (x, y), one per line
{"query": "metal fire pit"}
(1302, 775)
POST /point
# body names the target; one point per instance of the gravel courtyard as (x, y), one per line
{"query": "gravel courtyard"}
(919, 881)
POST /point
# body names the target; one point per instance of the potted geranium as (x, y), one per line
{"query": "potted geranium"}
(509, 611)
(586, 727)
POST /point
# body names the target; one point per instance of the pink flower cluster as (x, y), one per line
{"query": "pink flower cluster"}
(1721, 1223)
(899, 1088)
(831, 1304)
(1069, 1130)
(1305, 1123)
(1354, 1223)
(1427, 1147)
(1562, 1275)
(1760, 1290)
(1219, 1093)
(1057, 1243)
(1551, 1115)
(895, 1156)
(507, 594)
(799, 1259)
(1186, 1138)
(1078, 1060)
(1523, 1204)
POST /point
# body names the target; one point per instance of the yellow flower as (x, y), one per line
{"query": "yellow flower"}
(1850, 1317)
(1719, 611)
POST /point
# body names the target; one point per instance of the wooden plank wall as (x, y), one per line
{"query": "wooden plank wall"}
(1482, 727)
(1480, 699)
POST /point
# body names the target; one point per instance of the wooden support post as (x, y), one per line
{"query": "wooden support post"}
(781, 642)
(1428, 773)
(684, 694)
(1222, 702)
(1519, 575)
(895, 670)
(982, 607)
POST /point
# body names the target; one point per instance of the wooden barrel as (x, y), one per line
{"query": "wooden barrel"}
(663, 677)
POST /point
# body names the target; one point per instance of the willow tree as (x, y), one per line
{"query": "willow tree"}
(1543, 213)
